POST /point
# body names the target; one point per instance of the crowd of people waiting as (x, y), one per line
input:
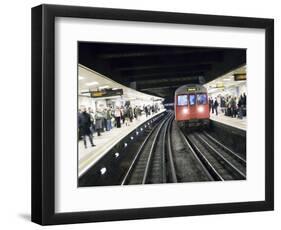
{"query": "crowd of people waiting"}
(102, 120)
(230, 105)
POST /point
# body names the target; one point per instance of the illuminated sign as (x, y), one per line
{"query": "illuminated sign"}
(240, 77)
(191, 89)
(107, 93)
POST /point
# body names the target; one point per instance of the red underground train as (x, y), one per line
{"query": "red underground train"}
(192, 106)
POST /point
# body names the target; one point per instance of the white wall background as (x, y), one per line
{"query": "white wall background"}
(15, 113)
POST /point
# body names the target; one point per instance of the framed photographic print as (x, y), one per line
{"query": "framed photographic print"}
(142, 114)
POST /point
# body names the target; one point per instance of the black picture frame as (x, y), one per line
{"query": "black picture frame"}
(43, 113)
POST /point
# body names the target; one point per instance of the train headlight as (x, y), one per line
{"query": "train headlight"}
(200, 109)
(185, 110)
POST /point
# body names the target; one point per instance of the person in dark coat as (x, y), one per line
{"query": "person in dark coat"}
(240, 107)
(79, 131)
(210, 105)
(136, 113)
(215, 106)
(84, 125)
(130, 113)
(146, 111)
(233, 106)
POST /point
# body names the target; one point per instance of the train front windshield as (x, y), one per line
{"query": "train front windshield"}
(202, 99)
(192, 99)
(182, 100)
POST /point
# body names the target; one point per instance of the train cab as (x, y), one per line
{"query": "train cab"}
(192, 106)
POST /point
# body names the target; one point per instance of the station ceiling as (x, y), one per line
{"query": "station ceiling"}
(159, 69)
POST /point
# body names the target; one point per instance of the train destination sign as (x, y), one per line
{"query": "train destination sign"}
(191, 89)
(107, 93)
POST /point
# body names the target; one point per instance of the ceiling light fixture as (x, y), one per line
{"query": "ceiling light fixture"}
(92, 83)
(103, 87)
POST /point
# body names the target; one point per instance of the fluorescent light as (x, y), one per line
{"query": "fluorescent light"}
(81, 78)
(104, 86)
(92, 83)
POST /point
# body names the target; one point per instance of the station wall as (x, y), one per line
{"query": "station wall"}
(233, 90)
(86, 101)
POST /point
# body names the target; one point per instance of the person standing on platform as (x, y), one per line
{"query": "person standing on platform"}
(210, 104)
(136, 113)
(152, 109)
(228, 106)
(222, 104)
(122, 109)
(99, 120)
(240, 107)
(149, 110)
(146, 111)
(139, 111)
(244, 104)
(117, 115)
(84, 124)
(215, 106)
(233, 106)
(108, 119)
(103, 119)
(92, 116)
(130, 113)
(79, 131)
(126, 116)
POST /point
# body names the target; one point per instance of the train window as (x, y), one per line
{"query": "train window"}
(202, 99)
(192, 99)
(182, 99)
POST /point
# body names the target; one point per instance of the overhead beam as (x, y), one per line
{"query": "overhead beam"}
(171, 80)
(195, 58)
(166, 75)
(163, 85)
(190, 68)
(162, 66)
(163, 51)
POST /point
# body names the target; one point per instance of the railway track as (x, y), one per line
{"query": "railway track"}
(149, 164)
(220, 161)
(189, 166)
(168, 155)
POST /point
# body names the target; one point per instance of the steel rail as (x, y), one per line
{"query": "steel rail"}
(124, 181)
(200, 161)
(206, 162)
(222, 157)
(148, 163)
(164, 176)
(170, 154)
(237, 157)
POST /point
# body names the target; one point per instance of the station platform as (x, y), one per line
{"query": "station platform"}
(89, 156)
(230, 121)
